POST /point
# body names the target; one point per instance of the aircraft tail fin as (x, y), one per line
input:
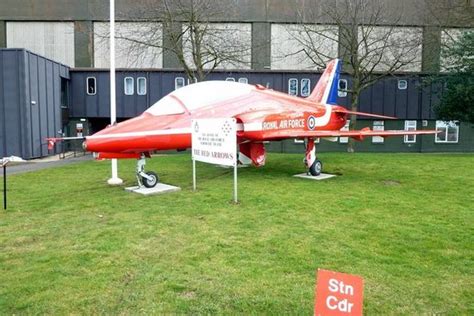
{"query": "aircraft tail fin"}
(326, 89)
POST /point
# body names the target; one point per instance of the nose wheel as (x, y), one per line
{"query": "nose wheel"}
(145, 179)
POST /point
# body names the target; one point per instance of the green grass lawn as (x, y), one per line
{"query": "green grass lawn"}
(69, 243)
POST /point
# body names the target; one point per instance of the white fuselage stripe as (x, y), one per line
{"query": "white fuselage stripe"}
(248, 127)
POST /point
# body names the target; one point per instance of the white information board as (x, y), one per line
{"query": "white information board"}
(215, 141)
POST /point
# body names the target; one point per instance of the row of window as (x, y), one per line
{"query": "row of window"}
(129, 85)
(448, 132)
(305, 85)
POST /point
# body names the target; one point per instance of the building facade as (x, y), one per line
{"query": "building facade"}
(74, 34)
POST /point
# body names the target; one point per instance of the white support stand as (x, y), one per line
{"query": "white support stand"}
(322, 176)
(114, 180)
(160, 188)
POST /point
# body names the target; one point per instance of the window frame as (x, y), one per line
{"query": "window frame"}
(125, 86)
(87, 85)
(309, 87)
(406, 139)
(341, 94)
(176, 82)
(138, 86)
(243, 80)
(446, 125)
(405, 87)
(289, 85)
(378, 127)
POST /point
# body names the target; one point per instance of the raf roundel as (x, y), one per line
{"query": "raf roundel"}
(311, 122)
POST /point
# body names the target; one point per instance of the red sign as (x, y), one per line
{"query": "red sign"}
(338, 294)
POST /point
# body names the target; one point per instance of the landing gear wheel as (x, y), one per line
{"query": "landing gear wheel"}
(316, 168)
(150, 183)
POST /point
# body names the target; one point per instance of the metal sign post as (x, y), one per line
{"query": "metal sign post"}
(214, 141)
(235, 182)
(5, 186)
(4, 161)
(194, 175)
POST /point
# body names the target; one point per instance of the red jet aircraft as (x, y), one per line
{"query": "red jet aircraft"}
(262, 115)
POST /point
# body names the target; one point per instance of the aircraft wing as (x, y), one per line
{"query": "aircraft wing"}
(356, 134)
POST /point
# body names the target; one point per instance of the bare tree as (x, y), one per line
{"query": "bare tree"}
(369, 51)
(186, 30)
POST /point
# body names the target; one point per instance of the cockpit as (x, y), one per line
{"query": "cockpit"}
(198, 95)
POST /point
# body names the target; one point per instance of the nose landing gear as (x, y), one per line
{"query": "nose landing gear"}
(147, 179)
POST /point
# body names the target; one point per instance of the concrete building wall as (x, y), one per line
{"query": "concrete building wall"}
(429, 15)
(231, 41)
(290, 43)
(53, 40)
(129, 52)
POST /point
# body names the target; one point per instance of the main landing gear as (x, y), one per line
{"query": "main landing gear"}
(147, 179)
(314, 165)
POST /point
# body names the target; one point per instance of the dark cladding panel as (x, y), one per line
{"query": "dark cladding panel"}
(34, 105)
(162, 84)
(64, 71)
(102, 104)
(389, 96)
(2, 110)
(378, 97)
(42, 105)
(57, 100)
(425, 102)
(78, 94)
(50, 102)
(11, 119)
(413, 100)
(365, 100)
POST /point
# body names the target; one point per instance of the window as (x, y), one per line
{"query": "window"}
(342, 88)
(305, 87)
(402, 84)
(293, 86)
(449, 132)
(91, 86)
(141, 85)
(230, 79)
(128, 86)
(178, 82)
(302, 141)
(410, 126)
(345, 140)
(378, 126)
(243, 80)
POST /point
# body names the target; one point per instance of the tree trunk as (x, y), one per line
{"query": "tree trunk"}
(353, 122)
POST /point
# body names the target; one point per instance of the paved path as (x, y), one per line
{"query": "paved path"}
(38, 164)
